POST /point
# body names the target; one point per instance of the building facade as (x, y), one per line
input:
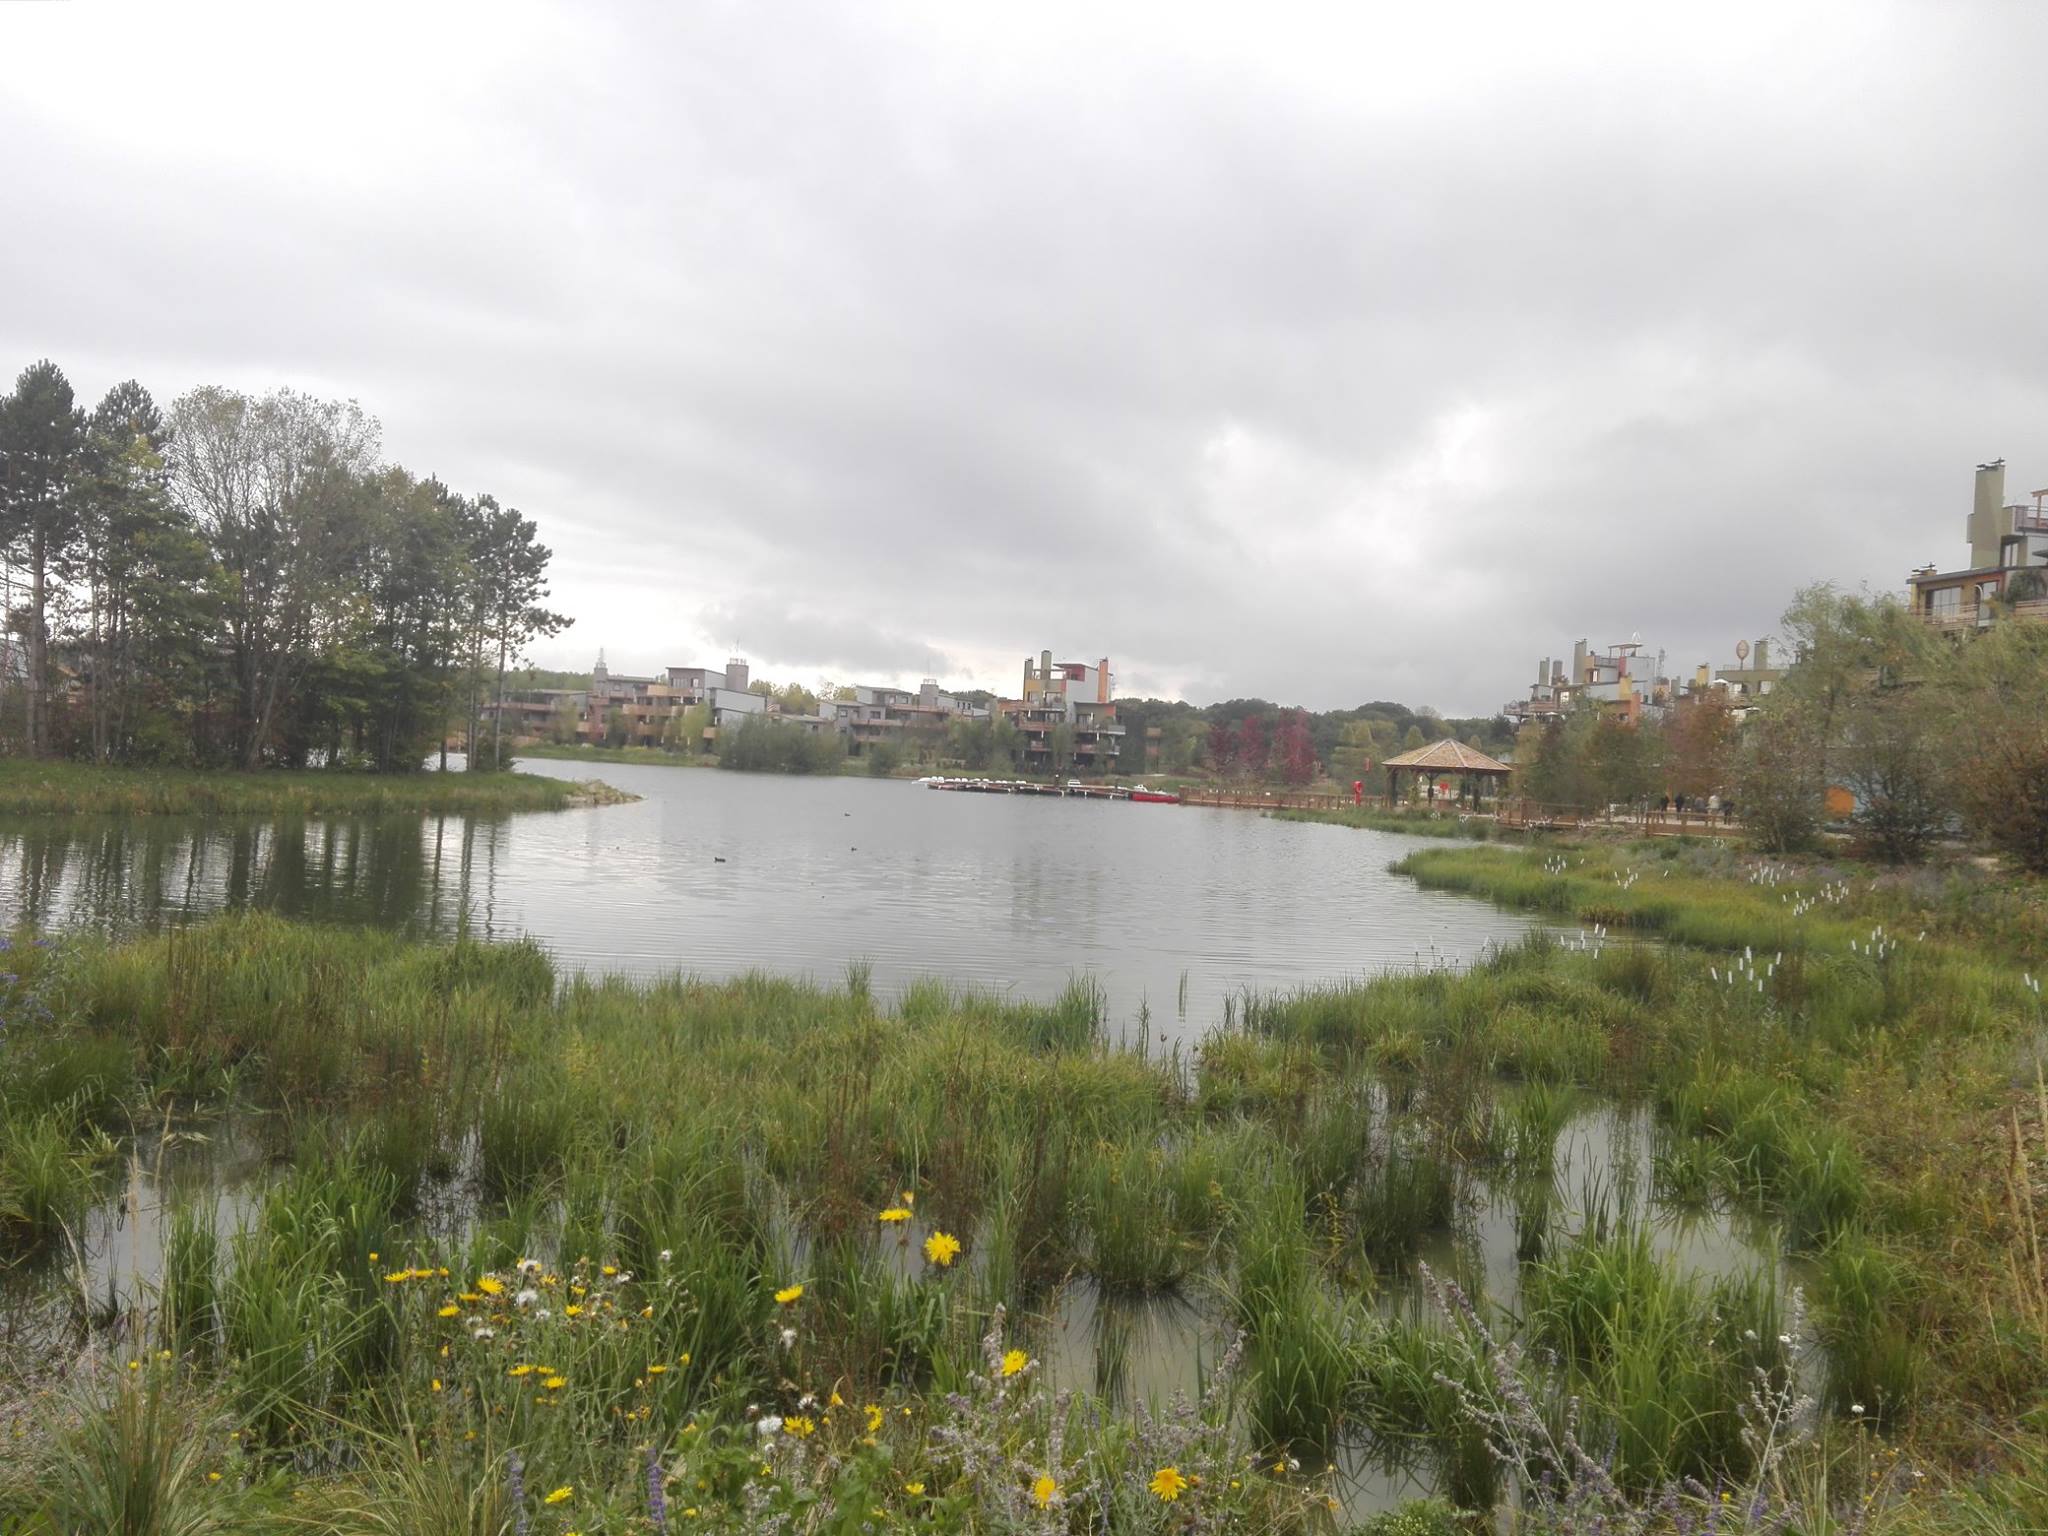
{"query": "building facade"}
(2008, 569)
(1067, 709)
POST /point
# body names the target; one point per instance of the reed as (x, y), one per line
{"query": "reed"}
(710, 1147)
(82, 789)
(1664, 1362)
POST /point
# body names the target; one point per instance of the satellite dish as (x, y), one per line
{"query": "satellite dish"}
(1742, 650)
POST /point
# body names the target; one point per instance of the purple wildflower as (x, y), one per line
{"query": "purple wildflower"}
(657, 1500)
(515, 1490)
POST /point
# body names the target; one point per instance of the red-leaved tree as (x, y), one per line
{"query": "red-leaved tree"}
(1253, 747)
(1222, 749)
(1295, 752)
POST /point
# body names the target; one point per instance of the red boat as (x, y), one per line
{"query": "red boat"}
(1155, 796)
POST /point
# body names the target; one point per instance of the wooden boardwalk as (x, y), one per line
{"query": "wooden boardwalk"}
(1266, 799)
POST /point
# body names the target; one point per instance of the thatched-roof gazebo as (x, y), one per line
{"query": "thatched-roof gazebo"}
(1472, 767)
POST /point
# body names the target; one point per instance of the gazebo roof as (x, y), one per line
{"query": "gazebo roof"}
(1448, 756)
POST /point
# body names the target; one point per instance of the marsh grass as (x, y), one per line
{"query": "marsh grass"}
(456, 1107)
(82, 789)
(1662, 1360)
(135, 1453)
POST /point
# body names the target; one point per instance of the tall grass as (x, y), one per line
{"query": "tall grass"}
(1664, 1362)
(80, 789)
(717, 1146)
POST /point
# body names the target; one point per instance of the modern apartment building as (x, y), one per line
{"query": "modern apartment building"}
(1607, 678)
(1070, 695)
(2008, 569)
(877, 714)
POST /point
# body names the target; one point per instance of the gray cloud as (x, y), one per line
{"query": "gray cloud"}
(1332, 354)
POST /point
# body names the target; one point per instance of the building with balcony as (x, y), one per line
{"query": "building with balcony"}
(1066, 710)
(870, 715)
(1608, 679)
(2008, 569)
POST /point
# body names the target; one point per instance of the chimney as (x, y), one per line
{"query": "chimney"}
(1989, 520)
(1102, 682)
(1579, 663)
(1542, 672)
(1763, 654)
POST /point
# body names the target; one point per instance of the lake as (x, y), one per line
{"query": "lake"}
(1169, 909)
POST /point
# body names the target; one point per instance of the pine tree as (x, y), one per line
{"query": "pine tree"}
(42, 440)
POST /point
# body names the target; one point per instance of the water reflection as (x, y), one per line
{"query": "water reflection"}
(426, 875)
(1170, 910)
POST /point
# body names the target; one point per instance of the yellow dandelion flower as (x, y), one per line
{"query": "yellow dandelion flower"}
(799, 1425)
(213, 1477)
(373, 1257)
(895, 1213)
(608, 1269)
(490, 1286)
(942, 1248)
(1043, 1490)
(572, 1310)
(561, 1495)
(556, 1383)
(1168, 1484)
(398, 1277)
(1015, 1361)
(437, 1383)
(520, 1370)
(656, 1370)
(874, 1414)
(913, 1489)
(789, 1295)
(906, 1198)
(451, 1310)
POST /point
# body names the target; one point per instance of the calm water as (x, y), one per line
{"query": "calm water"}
(1168, 908)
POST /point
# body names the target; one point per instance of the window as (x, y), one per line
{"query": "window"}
(1945, 602)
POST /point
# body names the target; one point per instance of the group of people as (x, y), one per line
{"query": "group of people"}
(1710, 807)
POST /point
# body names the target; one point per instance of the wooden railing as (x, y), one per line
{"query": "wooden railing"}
(1274, 799)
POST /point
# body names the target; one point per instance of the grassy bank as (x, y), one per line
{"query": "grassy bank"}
(805, 1247)
(60, 789)
(1865, 1048)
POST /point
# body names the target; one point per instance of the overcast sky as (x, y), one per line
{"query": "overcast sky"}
(1323, 353)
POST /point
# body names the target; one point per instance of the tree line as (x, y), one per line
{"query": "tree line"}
(1899, 734)
(242, 581)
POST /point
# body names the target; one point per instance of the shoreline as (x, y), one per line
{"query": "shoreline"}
(56, 789)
